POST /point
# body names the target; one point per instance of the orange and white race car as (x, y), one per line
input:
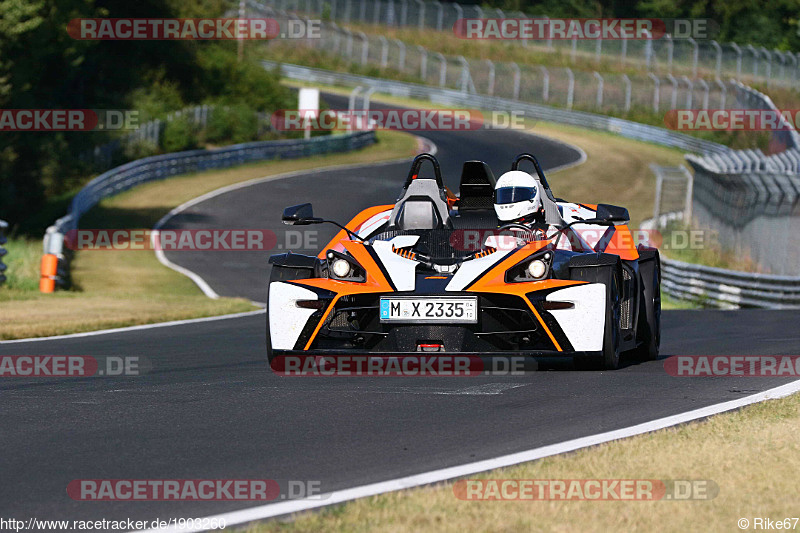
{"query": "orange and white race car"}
(438, 272)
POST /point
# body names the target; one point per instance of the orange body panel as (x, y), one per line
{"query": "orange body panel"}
(359, 219)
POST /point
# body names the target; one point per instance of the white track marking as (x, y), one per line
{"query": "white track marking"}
(262, 512)
(141, 327)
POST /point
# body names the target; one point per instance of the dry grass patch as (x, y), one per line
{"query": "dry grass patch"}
(753, 455)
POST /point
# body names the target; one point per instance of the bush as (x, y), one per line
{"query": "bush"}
(179, 135)
(232, 124)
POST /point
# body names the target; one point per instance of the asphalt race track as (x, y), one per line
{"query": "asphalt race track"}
(210, 408)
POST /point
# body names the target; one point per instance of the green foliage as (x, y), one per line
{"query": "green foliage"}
(179, 134)
(232, 124)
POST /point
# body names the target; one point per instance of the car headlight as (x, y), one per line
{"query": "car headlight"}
(344, 267)
(534, 268)
(537, 269)
(340, 268)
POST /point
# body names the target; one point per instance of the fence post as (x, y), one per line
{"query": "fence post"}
(718, 48)
(782, 72)
(753, 51)
(3, 251)
(384, 50)
(624, 52)
(738, 59)
(598, 50)
(769, 65)
(351, 104)
(570, 87)
(670, 51)
(348, 48)
(490, 88)
(690, 90)
(348, 7)
(423, 62)
(627, 81)
(574, 49)
(648, 49)
(364, 47)
(704, 85)
(545, 83)
(466, 77)
(376, 12)
(442, 69)
(362, 10)
(723, 93)
(517, 79)
(673, 97)
(599, 79)
(403, 13)
(439, 15)
(656, 91)
(421, 19)
(401, 60)
(695, 55)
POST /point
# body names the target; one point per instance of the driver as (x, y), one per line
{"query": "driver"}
(518, 200)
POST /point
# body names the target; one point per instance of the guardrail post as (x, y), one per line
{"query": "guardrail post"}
(656, 91)
(545, 83)
(627, 81)
(599, 79)
(570, 87)
(3, 251)
(401, 60)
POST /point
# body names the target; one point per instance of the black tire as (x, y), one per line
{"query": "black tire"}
(649, 331)
(283, 273)
(611, 277)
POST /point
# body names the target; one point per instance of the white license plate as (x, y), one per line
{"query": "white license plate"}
(429, 310)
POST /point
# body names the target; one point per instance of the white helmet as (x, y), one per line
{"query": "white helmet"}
(516, 195)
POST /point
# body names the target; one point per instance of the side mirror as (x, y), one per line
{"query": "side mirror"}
(612, 213)
(299, 215)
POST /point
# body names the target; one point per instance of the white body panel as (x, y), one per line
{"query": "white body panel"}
(286, 320)
(585, 324)
(471, 270)
(402, 271)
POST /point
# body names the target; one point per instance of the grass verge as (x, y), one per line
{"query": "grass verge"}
(756, 477)
(120, 288)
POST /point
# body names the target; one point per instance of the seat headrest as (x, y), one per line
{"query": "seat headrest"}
(477, 186)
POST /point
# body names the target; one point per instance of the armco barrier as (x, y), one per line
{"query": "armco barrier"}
(160, 167)
(728, 288)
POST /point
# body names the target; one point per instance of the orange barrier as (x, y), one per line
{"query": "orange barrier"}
(47, 283)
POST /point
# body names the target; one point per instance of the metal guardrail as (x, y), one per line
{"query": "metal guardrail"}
(728, 288)
(160, 167)
(3, 251)
(438, 95)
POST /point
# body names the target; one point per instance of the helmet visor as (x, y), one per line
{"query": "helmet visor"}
(511, 195)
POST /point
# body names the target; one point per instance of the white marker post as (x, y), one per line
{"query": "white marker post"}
(308, 104)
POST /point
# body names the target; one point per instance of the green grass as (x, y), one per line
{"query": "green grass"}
(22, 260)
